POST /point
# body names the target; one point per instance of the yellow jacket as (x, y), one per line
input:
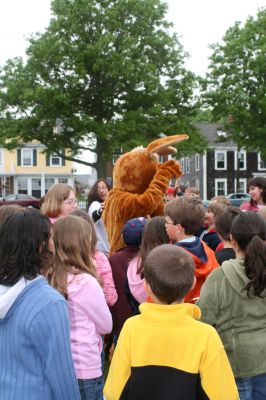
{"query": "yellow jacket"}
(165, 353)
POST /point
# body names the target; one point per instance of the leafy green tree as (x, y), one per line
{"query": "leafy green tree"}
(236, 83)
(105, 74)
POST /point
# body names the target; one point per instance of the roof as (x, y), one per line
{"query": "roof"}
(209, 131)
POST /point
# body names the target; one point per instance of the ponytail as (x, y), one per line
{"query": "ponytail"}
(255, 265)
(249, 231)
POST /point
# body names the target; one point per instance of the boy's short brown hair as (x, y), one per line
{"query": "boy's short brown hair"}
(221, 200)
(215, 207)
(169, 270)
(224, 219)
(187, 211)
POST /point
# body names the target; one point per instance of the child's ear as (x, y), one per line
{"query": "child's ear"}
(147, 288)
(194, 283)
(234, 243)
(180, 228)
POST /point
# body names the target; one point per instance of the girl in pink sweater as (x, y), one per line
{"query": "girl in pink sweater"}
(154, 234)
(74, 275)
(102, 265)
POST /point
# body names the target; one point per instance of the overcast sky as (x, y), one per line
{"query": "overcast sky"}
(198, 23)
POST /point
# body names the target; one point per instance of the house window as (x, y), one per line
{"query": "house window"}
(36, 187)
(220, 159)
(48, 183)
(187, 165)
(26, 157)
(182, 164)
(197, 162)
(22, 185)
(62, 180)
(261, 163)
(197, 183)
(242, 185)
(55, 160)
(220, 187)
(241, 158)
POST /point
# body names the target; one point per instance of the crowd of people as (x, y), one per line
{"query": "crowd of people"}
(178, 312)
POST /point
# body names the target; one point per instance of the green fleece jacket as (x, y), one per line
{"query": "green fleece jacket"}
(240, 320)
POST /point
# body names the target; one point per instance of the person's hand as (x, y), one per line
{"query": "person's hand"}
(170, 168)
(101, 209)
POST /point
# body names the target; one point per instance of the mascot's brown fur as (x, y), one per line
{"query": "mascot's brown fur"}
(139, 185)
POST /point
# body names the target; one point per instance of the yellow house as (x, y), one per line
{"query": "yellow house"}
(29, 170)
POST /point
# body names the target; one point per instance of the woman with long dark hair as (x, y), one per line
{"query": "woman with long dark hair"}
(257, 191)
(36, 361)
(233, 299)
(96, 199)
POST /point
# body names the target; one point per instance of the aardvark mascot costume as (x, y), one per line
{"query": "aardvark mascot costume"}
(139, 183)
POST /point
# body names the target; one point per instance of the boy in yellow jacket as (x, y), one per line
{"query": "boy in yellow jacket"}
(165, 353)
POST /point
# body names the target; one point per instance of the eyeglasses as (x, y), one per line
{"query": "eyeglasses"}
(70, 201)
(102, 188)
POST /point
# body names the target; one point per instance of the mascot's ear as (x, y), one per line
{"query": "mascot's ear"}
(162, 146)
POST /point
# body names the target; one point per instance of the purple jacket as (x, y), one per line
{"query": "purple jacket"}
(119, 263)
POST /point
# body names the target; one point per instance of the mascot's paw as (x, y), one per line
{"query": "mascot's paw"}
(170, 169)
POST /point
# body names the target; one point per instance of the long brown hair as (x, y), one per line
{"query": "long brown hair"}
(84, 215)
(93, 193)
(72, 240)
(260, 182)
(249, 231)
(154, 234)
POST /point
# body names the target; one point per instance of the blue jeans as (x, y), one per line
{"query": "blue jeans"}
(91, 389)
(253, 388)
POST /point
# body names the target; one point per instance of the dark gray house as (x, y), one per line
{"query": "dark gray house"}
(215, 171)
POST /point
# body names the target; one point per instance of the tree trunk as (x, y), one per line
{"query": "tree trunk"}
(101, 161)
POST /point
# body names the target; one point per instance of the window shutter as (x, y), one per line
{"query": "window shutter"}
(19, 156)
(34, 157)
(47, 159)
(63, 160)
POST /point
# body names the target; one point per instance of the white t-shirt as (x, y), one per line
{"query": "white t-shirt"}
(102, 239)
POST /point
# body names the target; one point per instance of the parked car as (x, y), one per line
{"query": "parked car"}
(236, 199)
(24, 200)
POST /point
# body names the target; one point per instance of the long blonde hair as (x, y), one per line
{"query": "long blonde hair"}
(72, 240)
(84, 215)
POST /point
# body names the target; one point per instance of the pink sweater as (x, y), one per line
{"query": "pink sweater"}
(135, 282)
(89, 319)
(247, 206)
(104, 272)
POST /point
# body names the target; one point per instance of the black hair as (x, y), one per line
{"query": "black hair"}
(93, 193)
(260, 182)
(169, 270)
(249, 231)
(24, 239)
